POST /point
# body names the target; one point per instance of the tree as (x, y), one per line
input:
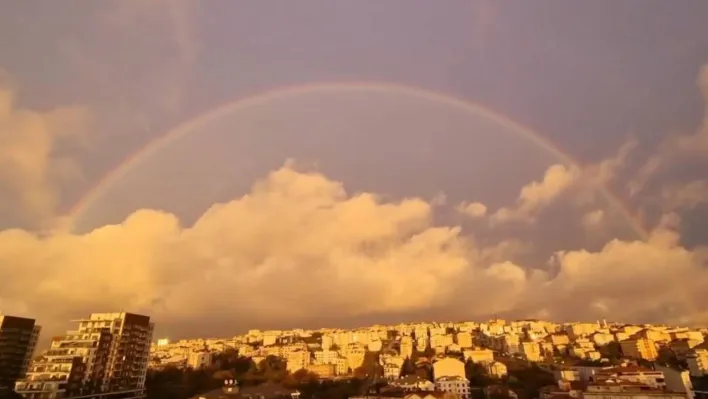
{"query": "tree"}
(429, 352)
(300, 378)
(273, 368)
(476, 374)
(222, 375)
(408, 367)
(612, 351)
(425, 372)
(360, 373)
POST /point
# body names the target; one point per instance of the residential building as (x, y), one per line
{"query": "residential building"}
(107, 353)
(199, 358)
(478, 355)
(406, 346)
(532, 351)
(391, 371)
(297, 360)
(625, 390)
(448, 367)
(413, 383)
(18, 339)
(464, 340)
(639, 348)
(677, 380)
(322, 370)
(697, 360)
(632, 374)
(496, 369)
(460, 386)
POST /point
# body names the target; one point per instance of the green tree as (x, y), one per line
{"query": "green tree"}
(408, 367)
(273, 368)
(476, 374)
(425, 372)
(612, 351)
(300, 378)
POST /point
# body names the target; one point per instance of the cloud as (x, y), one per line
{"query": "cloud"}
(676, 148)
(593, 219)
(538, 194)
(689, 195)
(30, 161)
(558, 179)
(472, 209)
(298, 247)
(654, 280)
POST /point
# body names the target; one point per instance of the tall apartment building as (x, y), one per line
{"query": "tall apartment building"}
(107, 354)
(640, 348)
(18, 339)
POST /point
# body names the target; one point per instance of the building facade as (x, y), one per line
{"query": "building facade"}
(108, 353)
(18, 339)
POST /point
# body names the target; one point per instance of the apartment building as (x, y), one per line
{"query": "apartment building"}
(625, 390)
(18, 339)
(639, 348)
(697, 360)
(632, 374)
(107, 353)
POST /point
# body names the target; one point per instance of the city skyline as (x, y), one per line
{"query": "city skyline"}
(219, 167)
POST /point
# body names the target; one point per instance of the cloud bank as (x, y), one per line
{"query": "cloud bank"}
(299, 247)
(31, 165)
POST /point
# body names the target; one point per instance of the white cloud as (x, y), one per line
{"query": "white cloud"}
(298, 247)
(538, 194)
(29, 165)
(472, 209)
(585, 184)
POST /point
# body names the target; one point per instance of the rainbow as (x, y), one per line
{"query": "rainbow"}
(373, 87)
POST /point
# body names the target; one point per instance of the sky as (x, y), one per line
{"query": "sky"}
(224, 166)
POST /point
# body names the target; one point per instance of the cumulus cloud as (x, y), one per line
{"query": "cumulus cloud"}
(676, 147)
(30, 165)
(623, 275)
(538, 194)
(296, 246)
(299, 247)
(558, 179)
(689, 195)
(593, 219)
(472, 209)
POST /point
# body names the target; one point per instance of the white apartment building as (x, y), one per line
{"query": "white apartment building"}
(532, 351)
(448, 367)
(464, 339)
(406, 346)
(479, 355)
(421, 344)
(199, 358)
(456, 385)
(298, 360)
(391, 371)
(354, 353)
(108, 352)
